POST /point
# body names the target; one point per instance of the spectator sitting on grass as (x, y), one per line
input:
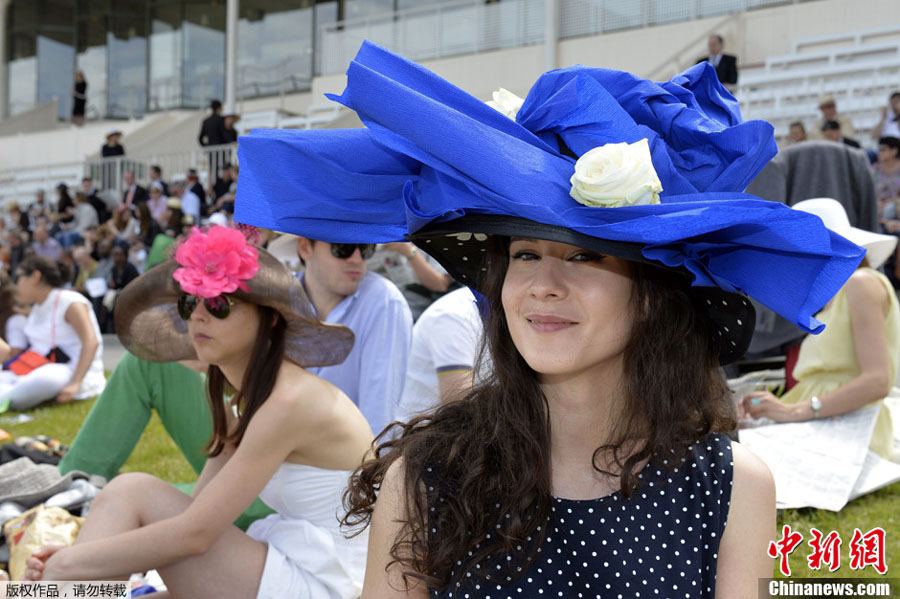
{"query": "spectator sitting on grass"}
(60, 324)
(853, 362)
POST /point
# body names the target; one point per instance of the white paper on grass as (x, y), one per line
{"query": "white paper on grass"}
(816, 463)
(96, 287)
(877, 473)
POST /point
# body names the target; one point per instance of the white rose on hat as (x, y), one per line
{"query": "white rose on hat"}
(506, 102)
(616, 174)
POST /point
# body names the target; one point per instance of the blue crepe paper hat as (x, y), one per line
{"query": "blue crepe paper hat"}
(435, 163)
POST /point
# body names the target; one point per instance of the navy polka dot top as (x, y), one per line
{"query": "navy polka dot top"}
(663, 541)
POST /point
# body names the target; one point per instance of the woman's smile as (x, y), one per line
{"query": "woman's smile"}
(548, 323)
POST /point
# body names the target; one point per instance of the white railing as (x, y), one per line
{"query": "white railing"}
(208, 161)
(469, 26)
(22, 184)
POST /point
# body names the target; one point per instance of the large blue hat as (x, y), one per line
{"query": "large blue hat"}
(438, 166)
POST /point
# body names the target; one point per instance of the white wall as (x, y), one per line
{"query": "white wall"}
(61, 145)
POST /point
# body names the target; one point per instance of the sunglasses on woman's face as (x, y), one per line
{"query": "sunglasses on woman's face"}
(219, 307)
(342, 251)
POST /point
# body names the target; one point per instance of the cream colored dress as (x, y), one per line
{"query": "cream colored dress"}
(828, 360)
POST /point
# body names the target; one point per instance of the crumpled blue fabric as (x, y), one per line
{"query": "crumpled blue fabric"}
(431, 152)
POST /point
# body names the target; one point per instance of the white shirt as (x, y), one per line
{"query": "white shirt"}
(446, 337)
(190, 205)
(891, 128)
(47, 328)
(15, 331)
(85, 217)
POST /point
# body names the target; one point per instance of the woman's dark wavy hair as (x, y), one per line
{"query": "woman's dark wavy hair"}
(490, 451)
(259, 380)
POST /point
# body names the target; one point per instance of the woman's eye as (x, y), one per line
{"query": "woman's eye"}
(586, 257)
(524, 255)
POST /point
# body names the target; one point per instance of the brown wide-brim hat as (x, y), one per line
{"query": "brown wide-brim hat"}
(148, 324)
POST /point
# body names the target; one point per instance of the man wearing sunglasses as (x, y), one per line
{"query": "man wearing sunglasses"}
(341, 291)
(344, 292)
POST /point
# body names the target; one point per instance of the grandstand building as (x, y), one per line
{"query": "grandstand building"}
(152, 66)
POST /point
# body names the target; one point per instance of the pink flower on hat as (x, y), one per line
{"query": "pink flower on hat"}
(215, 262)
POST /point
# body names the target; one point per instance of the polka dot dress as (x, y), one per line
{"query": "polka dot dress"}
(660, 542)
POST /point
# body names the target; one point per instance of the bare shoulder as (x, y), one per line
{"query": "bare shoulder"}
(384, 576)
(751, 475)
(329, 429)
(308, 401)
(864, 285)
(742, 557)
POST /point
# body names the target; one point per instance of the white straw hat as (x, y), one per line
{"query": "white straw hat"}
(878, 247)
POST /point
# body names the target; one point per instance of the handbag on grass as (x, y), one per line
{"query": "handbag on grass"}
(29, 360)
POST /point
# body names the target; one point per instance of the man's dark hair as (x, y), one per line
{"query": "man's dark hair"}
(215, 106)
(894, 95)
(87, 178)
(156, 169)
(891, 142)
(831, 125)
(798, 124)
(720, 38)
(192, 172)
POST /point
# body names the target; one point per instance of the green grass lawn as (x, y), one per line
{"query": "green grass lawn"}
(157, 454)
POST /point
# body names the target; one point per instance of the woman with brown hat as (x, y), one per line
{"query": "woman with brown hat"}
(283, 434)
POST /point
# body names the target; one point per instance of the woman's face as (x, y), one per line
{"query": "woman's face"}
(119, 256)
(886, 153)
(223, 341)
(28, 286)
(568, 309)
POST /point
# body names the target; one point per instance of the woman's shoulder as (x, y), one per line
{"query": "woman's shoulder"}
(67, 297)
(313, 403)
(749, 470)
(867, 285)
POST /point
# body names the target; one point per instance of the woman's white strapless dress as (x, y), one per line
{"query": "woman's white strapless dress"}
(308, 556)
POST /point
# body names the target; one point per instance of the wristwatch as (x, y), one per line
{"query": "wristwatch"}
(816, 404)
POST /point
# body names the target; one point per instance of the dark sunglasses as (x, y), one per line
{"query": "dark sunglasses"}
(219, 307)
(342, 251)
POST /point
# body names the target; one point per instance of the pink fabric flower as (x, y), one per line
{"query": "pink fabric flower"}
(215, 262)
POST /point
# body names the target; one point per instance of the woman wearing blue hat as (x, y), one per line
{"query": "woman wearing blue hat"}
(602, 219)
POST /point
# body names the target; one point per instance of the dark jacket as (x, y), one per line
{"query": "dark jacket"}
(107, 151)
(822, 169)
(212, 132)
(99, 205)
(726, 69)
(140, 195)
(120, 277)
